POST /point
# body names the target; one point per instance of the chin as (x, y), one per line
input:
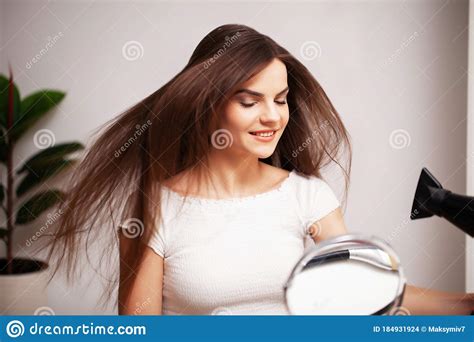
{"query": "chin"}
(263, 154)
(260, 152)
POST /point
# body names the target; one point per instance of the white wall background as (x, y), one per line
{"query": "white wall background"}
(470, 152)
(395, 70)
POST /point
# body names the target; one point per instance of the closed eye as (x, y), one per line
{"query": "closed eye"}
(247, 105)
(251, 104)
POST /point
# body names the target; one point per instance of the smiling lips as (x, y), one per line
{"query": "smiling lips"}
(263, 136)
(266, 133)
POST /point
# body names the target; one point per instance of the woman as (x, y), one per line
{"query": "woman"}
(216, 180)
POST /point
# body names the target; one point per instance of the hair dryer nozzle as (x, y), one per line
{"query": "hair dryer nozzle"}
(421, 203)
(431, 199)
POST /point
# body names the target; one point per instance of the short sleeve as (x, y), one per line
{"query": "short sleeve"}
(317, 200)
(157, 242)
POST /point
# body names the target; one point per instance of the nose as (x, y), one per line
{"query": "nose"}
(270, 114)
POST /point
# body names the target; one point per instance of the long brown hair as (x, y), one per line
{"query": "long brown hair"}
(118, 182)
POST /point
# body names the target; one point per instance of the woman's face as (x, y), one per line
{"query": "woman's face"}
(259, 104)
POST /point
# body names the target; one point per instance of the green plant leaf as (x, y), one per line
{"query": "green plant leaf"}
(4, 81)
(38, 176)
(37, 204)
(33, 108)
(3, 232)
(49, 156)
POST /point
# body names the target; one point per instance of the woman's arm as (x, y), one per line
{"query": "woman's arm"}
(418, 301)
(145, 294)
(329, 226)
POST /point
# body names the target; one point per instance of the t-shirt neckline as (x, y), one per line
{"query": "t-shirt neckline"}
(203, 200)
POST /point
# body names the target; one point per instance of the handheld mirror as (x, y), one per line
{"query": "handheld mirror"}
(346, 275)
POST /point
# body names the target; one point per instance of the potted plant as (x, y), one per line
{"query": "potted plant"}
(23, 280)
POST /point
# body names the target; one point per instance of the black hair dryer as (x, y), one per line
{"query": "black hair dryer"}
(431, 199)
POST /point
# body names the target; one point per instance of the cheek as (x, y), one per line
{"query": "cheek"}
(285, 117)
(237, 119)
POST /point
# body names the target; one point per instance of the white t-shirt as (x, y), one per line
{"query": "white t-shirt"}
(234, 256)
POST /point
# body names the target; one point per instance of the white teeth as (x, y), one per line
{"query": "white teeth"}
(264, 134)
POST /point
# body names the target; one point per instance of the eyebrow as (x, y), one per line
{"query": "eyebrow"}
(257, 94)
